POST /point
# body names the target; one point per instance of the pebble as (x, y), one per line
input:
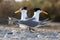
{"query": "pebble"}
(27, 35)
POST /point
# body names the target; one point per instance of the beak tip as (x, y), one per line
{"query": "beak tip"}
(45, 12)
(15, 12)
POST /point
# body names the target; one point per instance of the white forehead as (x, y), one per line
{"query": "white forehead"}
(23, 10)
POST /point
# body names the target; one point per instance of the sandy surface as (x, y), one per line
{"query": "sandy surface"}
(51, 31)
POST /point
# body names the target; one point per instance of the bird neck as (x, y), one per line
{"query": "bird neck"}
(36, 16)
(23, 14)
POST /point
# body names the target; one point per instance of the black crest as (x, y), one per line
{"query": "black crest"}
(24, 8)
(36, 9)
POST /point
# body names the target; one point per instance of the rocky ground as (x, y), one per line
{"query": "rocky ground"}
(51, 31)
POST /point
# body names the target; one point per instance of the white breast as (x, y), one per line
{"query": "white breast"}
(23, 14)
(36, 15)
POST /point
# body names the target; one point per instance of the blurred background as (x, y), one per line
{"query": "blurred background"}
(8, 7)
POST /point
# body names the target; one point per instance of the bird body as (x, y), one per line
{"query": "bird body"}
(31, 22)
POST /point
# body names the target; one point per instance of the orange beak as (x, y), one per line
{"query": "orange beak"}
(44, 12)
(18, 11)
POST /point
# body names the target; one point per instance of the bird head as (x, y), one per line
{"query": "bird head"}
(38, 10)
(21, 9)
